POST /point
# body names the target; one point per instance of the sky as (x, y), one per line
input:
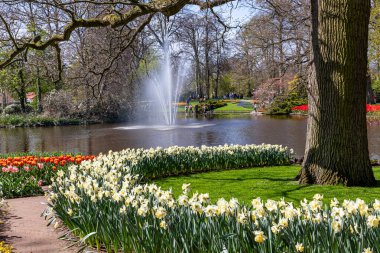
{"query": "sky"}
(234, 13)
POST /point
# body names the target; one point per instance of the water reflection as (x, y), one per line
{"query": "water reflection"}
(217, 130)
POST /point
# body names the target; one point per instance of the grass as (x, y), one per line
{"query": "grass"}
(266, 183)
(232, 107)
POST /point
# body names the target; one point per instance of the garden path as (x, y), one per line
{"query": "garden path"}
(26, 230)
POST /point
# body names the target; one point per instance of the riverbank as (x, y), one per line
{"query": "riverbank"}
(28, 120)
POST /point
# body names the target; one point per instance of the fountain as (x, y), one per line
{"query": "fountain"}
(163, 90)
(157, 106)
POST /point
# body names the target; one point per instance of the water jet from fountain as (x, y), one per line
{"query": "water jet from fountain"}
(163, 88)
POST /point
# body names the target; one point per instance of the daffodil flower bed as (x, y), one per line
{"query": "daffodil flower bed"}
(159, 162)
(107, 205)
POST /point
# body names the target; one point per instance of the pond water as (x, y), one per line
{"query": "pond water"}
(216, 130)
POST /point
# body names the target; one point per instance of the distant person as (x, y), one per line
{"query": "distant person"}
(186, 108)
(255, 107)
(196, 108)
(204, 108)
(190, 108)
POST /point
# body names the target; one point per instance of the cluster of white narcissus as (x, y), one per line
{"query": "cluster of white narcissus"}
(176, 159)
(108, 179)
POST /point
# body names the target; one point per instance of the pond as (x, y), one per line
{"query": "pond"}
(215, 130)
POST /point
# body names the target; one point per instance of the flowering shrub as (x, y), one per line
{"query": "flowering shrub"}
(24, 175)
(107, 204)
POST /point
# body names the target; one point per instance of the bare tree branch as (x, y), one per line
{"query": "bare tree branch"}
(167, 7)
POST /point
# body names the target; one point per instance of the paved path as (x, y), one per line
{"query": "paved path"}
(26, 230)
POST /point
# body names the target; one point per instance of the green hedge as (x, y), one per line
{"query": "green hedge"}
(284, 104)
(35, 120)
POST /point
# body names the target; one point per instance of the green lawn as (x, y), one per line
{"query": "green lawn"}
(232, 107)
(267, 182)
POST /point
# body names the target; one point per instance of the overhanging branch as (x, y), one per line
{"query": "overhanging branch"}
(167, 7)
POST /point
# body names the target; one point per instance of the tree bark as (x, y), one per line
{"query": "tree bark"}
(337, 144)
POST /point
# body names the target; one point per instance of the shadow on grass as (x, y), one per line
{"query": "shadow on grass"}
(272, 183)
(240, 179)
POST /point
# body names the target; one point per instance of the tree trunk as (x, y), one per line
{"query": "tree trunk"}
(198, 75)
(38, 89)
(207, 60)
(281, 47)
(22, 92)
(336, 144)
(197, 64)
(4, 102)
(218, 66)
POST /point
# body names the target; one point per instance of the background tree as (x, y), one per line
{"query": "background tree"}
(14, 81)
(272, 51)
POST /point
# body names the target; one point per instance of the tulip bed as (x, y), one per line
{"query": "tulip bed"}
(109, 206)
(23, 175)
(373, 108)
(300, 109)
(305, 108)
